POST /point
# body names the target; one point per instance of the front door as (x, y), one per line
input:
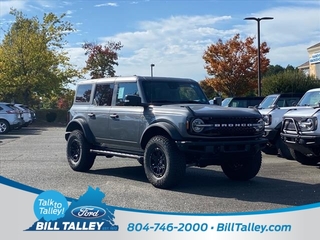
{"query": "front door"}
(125, 121)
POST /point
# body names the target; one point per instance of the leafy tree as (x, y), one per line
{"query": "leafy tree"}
(101, 59)
(59, 100)
(32, 61)
(275, 69)
(233, 65)
(208, 88)
(288, 81)
(291, 68)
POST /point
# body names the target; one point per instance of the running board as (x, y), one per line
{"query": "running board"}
(117, 154)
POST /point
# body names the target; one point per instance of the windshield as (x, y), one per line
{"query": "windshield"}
(310, 99)
(226, 102)
(268, 101)
(168, 92)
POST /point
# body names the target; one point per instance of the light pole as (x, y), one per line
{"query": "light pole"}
(259, 56)
(152, 65)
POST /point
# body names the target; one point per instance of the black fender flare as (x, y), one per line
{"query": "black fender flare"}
(278, 127)
(80, 124)
(159, 128)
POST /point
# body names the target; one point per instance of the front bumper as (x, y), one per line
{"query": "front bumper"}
(271, 134)
(307, 144)
(16, 124)
(222, 147)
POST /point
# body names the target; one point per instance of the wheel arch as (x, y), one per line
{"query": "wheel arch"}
(160, 128)
(6, 121)
(82, 125)
(277, 135)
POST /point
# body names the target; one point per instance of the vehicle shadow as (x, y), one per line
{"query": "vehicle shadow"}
(6, 136)
(213, 183)
(24, 131)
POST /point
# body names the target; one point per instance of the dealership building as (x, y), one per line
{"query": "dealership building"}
(312, 67)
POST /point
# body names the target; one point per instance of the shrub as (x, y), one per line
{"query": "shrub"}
(52, 115)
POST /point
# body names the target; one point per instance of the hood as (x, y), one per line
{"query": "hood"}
(282, 109)
(206, 110)
(302, 112)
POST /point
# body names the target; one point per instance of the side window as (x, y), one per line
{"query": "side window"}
(103, 94)
(124, 89)
(83, 93)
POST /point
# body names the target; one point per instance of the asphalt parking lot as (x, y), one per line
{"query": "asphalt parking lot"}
(35, 156)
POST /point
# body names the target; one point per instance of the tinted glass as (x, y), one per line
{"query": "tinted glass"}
(83, 93)
(160, 92)
(287, 101)
(103, 94)
(126, 89)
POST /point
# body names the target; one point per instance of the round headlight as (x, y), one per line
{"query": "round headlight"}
(267, 119)
(309, 123)
(197, 125)
(260, 125)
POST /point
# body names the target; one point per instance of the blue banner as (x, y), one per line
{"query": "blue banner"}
(32, 213)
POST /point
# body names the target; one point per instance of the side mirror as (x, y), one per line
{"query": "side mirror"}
(217, 101)
(132, 100)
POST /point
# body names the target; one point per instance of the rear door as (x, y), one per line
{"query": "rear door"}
(98, 112)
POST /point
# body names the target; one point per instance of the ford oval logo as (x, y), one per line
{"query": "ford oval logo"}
(88, 212)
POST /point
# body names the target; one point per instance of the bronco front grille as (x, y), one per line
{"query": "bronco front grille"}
(233, 126)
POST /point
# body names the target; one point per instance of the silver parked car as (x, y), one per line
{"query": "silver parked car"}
(26, 114)
(10, 117)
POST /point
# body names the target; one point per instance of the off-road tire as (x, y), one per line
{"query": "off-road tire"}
(283, 150)
(242, 168)
(270, 150)
(78, 152)
(164, 164)
(4, 126)
(303, 159)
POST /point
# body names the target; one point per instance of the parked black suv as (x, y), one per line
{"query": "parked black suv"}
(166, 124)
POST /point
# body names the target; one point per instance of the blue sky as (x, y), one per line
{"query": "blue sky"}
(174, 34)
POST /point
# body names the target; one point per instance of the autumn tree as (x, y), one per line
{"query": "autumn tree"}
(208, 89)
(32, 60)
(233, 65)
(102, 59)
(61, 100)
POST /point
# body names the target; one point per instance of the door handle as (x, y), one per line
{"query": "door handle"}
(92, 115)
(114, 115)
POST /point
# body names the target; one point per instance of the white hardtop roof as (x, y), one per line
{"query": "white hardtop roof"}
(130, 78)
(108, 79)
(314, 90)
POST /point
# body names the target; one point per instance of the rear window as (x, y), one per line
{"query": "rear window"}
(83, 93)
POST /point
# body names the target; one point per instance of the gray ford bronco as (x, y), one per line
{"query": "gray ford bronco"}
(167, 124)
